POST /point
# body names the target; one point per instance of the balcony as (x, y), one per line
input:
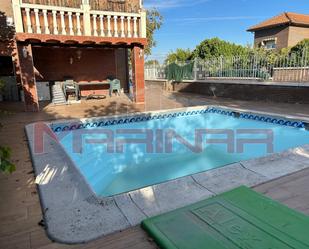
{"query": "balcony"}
(114, 21)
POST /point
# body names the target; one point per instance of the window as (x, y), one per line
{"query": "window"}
(269, 43)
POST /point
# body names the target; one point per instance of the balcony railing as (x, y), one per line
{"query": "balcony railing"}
(83, 21)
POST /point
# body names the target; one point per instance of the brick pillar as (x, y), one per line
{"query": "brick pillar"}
(28, 77)
(138, 74)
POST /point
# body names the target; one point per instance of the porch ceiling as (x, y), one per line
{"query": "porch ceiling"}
(65, 39)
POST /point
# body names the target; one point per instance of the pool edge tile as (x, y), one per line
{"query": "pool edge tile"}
(275, 165)
(132, 212)
(170, 195)
(72, 213)
(228, 177)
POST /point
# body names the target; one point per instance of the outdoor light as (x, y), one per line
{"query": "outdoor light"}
(79, 54)
(213, 90)
(141, 53)
(25, 52)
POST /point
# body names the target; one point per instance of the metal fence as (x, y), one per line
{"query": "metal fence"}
(289, 68)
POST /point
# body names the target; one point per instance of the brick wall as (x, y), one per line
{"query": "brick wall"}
(291, 74)
(6, 48)
(281, 33)
(297, 34)
(287, 36)
(53, 64)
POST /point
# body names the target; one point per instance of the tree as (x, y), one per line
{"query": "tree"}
(154, 22)
(152, 62)
(216, 47)
(180, 55)
(301, 50)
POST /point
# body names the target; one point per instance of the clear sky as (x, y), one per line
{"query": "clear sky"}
(188, 22)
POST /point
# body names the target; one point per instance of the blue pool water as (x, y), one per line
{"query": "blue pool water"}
(113, 173)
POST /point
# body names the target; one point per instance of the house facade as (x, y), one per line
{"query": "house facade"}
(86, 41)
(282, 31)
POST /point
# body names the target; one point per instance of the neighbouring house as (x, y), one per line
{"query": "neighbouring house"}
(282, 31)
(87, 41)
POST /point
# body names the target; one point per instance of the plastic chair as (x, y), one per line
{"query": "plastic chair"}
(114, 85)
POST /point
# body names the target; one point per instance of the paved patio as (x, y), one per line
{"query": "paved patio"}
(20, 207)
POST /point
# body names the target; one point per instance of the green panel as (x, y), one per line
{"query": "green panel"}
(240, 218)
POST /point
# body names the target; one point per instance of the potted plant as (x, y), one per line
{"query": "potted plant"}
(2, 87)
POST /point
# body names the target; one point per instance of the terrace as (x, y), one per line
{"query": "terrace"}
(80, 18)
(81, 41)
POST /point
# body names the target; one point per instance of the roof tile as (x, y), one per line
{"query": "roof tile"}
(283, 18)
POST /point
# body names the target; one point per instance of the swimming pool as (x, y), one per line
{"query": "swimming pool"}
(121, 154)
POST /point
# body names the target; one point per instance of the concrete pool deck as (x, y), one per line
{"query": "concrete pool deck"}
(21, 211)
(74, 214)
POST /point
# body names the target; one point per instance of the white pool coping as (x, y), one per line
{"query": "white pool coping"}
(74, 214)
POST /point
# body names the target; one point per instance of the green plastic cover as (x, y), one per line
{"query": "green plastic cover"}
(241, 218)
(179, 73)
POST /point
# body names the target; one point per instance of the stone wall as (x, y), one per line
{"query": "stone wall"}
(253, 92)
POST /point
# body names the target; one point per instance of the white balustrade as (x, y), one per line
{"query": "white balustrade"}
(47, 19)
(28, 19)
(79, 32)
(122, 26)
(46, 26)
(63, 31)
(129, 26)
(115, 26)
(95, 32)
(102, 25)
(135, 27)
(109, 31)
(55, 22)
(37, 21)
(70, 23)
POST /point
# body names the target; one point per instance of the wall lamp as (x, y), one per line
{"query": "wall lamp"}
(25, 52)
(141, 53)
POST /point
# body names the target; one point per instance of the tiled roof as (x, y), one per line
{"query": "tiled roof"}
(284, 18)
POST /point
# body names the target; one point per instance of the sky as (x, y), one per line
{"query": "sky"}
(188, 22)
